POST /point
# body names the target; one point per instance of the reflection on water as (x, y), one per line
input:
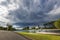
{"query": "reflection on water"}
(30, 31)
(40, 30)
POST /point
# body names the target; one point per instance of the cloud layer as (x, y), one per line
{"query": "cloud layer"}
(28, 12)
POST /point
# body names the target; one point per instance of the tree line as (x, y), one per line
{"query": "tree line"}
(30, 28)
(52, 25)
(8, 28)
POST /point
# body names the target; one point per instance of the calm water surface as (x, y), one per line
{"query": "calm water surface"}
(41, 30)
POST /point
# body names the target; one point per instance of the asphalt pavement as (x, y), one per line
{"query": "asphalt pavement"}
(8, 35)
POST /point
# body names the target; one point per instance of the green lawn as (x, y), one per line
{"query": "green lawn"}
(35, 36)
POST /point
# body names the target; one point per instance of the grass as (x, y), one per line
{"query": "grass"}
(36, 36)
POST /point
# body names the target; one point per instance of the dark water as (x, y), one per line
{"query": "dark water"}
(22, 31)
(55, 31)
(41, 30)
(30, 31)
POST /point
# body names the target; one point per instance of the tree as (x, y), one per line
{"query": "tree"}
(26, 28)
(33, 28)
(49, 25)
(9, 27)
(57, 24)
(1, 27)
(39, 27)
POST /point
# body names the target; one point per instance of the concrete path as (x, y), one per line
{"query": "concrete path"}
(7, 35)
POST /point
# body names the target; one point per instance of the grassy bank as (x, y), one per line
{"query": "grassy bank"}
(35, 36)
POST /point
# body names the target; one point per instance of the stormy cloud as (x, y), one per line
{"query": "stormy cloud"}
(29, 12)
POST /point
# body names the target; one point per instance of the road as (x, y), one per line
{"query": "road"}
(8, 35)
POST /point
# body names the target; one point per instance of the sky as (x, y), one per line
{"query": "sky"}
(28, 12)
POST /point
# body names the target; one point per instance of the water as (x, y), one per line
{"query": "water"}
(31, 31)
(53, 30)
(40, 30)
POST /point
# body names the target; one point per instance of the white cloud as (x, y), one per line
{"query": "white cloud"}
(2, 1)
(4, 10)
(13, 6)
(55, 11)
(3, 14)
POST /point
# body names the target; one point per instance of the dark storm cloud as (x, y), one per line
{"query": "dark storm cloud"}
(33, 11)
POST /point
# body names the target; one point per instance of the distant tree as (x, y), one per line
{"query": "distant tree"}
(5, 28)
(45, 25)
(1, 27)
(26, 28)
(39, 27)
(9, 27)
(33, 28)
(49, 25)
(57, 24)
